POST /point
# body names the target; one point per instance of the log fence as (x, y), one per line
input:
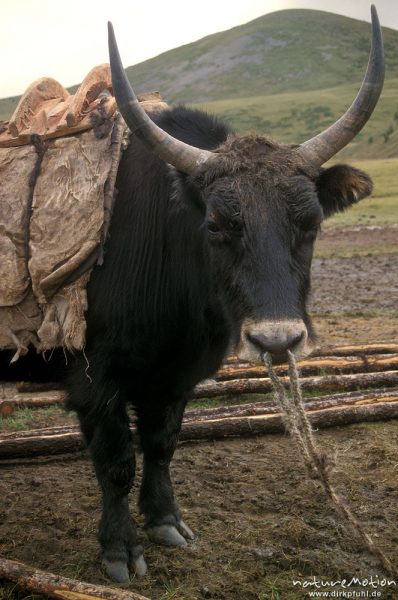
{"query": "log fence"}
(361, 385)
(229, 388)
(216, 423)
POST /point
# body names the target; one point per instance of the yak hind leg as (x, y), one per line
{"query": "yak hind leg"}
(159, 428)
(108, 436)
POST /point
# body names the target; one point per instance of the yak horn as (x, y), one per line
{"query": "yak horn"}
(183, 157)
(323, 146)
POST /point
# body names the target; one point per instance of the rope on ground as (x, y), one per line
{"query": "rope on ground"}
(318, 464)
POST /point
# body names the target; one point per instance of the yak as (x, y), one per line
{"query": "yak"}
(210, 249)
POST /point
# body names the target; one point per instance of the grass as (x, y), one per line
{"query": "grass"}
(7, 107)
(335, 251)
(78, 567)
(23, 418)
(271, 591)
(231, 400)
(172, 591)
(19, 421)
(293, 117)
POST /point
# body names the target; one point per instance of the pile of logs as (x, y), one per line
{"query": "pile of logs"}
(364, 377)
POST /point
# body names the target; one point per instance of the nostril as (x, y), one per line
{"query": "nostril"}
(275, 345)
(295, 340)
(264, 343)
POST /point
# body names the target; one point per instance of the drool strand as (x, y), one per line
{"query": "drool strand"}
(319, 465)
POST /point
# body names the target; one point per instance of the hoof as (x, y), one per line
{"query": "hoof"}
(140, 566)
(166, 535)
(170, 535)
(185, 530)
(117, 571)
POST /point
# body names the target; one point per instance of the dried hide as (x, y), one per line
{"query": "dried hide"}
(49, 225)
(56, 199)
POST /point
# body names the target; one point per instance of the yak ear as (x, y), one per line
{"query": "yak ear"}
(341, 186)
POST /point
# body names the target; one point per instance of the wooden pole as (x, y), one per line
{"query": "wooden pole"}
(362, 349)
(379, 348)
(315, 366)
(32, 387)
(234, 387)
(55, 586)
(38, 442)
(269, 406)
(372, 357)
(30, 401)
(325, 382)
(59, 440)
(273, 423)
(367, 358)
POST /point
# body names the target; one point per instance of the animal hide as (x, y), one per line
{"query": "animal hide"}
(59, 156)
(51, 223)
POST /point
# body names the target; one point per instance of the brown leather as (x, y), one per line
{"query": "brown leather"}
(48, 110)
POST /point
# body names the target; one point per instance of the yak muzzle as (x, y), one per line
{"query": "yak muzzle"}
(274, 337)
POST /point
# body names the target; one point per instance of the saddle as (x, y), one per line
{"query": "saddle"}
(59, 155)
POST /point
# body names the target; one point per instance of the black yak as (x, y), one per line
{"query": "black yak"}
(210, 248)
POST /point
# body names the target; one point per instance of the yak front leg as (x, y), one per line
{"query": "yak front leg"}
(107, 432)
(159, 428)
(114, 460)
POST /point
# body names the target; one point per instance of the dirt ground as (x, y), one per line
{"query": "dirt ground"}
(263, 531)
(355, 285)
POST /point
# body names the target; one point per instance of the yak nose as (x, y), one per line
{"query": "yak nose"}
(277, 346)
(275, 337)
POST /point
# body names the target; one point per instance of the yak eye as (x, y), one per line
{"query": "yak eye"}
(213, 227)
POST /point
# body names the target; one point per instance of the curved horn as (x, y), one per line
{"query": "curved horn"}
(323, 146)
(182, 156)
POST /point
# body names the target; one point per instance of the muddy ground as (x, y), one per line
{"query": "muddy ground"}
(260, 524)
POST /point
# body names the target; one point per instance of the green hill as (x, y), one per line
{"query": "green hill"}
(293, 117)
(285, 51)
(288, 74)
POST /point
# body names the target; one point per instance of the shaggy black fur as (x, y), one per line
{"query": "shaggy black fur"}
(187, 259)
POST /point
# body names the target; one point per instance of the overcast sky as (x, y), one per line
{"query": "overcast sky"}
(65, 40)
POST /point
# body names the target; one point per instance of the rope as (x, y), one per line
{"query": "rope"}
(318, 464)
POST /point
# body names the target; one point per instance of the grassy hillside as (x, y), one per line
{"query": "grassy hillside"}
(290, 50)
(284, 74)
(293, 117)
(7, 107)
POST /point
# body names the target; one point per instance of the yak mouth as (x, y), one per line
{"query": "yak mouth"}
(275, 338)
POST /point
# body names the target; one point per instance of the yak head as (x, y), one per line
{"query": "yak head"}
(264, 204)
(264, 208)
